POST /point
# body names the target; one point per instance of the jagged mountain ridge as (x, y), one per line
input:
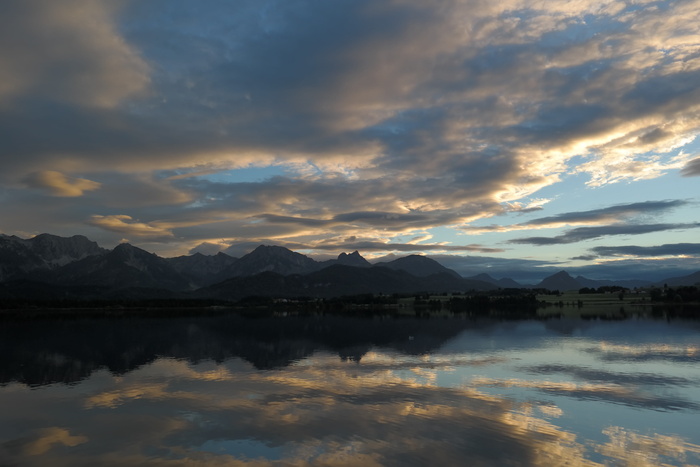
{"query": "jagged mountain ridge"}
(20, 257)
(124, 266)
(81, 264)
(338, 280)
(352, 259)
(129, 267)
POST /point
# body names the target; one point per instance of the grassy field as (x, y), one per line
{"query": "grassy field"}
(575, 304)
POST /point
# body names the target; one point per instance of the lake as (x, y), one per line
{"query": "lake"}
(230, 390)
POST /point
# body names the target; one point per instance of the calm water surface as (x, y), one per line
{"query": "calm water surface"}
(331, 391)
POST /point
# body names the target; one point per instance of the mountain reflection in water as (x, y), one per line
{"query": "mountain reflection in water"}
(329, 390)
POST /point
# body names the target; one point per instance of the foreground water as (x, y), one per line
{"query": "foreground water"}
(323, 390)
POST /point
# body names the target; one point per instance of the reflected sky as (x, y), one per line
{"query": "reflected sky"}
(489, 393)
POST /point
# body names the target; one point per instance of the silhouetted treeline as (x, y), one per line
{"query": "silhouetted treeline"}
(681, 294)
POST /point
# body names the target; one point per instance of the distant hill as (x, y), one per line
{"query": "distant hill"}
(560, 281)
(504, 283)
(418, 265)
(629, 284)
(690, 279)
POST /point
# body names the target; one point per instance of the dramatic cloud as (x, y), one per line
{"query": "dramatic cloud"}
(370, 118)
(59, 184)
(586, 233)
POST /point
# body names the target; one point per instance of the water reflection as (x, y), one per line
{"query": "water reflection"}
(332, 391)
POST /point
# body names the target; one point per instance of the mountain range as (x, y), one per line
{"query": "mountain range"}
(52, 267)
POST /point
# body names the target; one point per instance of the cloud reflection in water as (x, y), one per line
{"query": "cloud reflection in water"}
(388, 408)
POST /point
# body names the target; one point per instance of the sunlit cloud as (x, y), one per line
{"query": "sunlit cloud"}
(59, 184)
(124, 224)
(644, 450)
(45, 439)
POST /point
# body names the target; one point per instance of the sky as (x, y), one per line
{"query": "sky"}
(499, 135)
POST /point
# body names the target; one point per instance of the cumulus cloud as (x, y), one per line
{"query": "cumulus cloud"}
(124, 224)
(59, 184)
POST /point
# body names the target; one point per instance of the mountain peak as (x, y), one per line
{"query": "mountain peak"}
(273, 250)
(125, 247)
(562, 280)
(272, 258)
(418, 265)
(352, 259)
(59, 251)
(562, 274)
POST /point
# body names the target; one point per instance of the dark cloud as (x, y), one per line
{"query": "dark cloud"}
(611, 212)
(584, 257)
(671, 249)
(603, 376)
(692, 168)
(380, 246)
(586, 233)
